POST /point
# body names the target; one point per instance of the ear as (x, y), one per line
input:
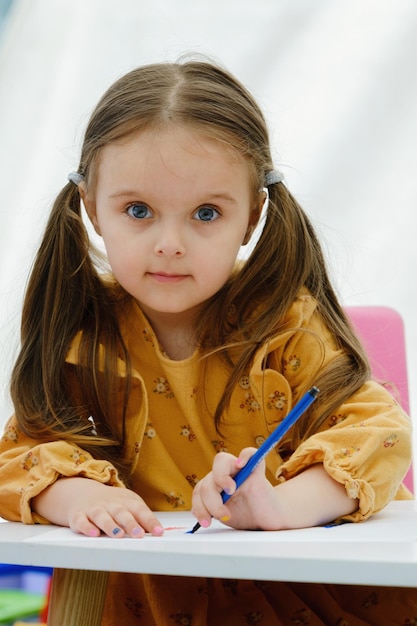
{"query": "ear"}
(254, 217)
(90, 206)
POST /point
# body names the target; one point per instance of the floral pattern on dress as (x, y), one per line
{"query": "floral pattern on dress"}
(337, 419)
(391, 440)
(219, 445)
(346, 453)
(187, 431)
(192, 479)
(371, 600)
(147, 335)
(302, 617)
(277, 400)
(353, 488)
(253, 618)
(78, 456)
(182, 619)
(293, 363)
(174, 500)
(231, 585)
(11, 434)
(150, 431)
(250, 403)
(135, 607)
(29, 461)
(163, 388)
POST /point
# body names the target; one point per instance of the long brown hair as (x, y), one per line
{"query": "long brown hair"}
(66, 294)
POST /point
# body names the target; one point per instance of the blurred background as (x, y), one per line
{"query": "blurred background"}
(337, 82)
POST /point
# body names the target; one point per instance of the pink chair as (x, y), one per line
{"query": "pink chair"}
(381, 330)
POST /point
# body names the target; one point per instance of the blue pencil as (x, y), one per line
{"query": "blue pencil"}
(269, 443)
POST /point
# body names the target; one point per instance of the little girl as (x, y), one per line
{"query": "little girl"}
(146, 386)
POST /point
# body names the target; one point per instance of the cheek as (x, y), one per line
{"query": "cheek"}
(119, 254)
(125, 268)
(215, 267)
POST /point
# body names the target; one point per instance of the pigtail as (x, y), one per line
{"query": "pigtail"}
(65, 296)
(287, 257)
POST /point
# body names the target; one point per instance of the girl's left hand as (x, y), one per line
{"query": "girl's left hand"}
(310, 498)
(254, 506)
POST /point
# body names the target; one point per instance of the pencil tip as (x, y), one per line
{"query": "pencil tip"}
(193, 530)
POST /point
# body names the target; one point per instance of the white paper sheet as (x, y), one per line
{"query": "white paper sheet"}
(383, 527)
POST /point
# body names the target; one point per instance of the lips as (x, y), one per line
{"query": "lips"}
(163, 277)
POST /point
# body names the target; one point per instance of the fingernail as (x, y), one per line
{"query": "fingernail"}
(116, 531)
(158, 530)
(225, 518)
(239, 462)
(137, 532)
(94, 532)
(205, 523)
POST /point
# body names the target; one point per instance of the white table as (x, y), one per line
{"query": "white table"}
(380, 551)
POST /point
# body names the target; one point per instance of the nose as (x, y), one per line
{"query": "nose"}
(169, 242)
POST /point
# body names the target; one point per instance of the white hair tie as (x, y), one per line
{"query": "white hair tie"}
(76, 178)
(273, 177)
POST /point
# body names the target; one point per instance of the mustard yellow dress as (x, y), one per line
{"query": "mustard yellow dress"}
(171, 438)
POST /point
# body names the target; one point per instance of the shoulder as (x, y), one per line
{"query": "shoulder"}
(302, 311)
(303, 315)
(303, 338)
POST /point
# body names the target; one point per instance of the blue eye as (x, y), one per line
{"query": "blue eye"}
(207, 214)
(138, 211)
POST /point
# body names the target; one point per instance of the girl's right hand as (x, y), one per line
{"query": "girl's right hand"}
(89, 508)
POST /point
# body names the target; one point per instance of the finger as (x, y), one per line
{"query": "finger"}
(198, 509)
(108, 522)
(244, 457)
(80, 524)
(207, 502)
(116, 520)
(224, 468)
(97, 520)
(137, 525)
(116, 526)
(126, 522)
(134, 516)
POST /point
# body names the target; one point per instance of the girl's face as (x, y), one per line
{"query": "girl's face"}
(173, 208)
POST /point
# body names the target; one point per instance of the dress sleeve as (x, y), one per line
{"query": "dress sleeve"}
(367, 449)
(27, 467)
(365, 445)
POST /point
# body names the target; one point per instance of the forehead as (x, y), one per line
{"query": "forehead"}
(174, 152)
(176, 137)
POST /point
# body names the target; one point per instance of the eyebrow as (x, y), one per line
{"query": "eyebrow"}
(209, 197)
(123, 193)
